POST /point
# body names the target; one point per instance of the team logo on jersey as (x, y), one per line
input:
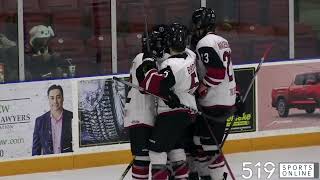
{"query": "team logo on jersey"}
(135, 122)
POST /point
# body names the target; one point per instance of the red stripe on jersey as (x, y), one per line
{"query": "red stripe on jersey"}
(140, 125)
(216, 73)
(175, 111)
(210, 82)
(147, 77)
(151, 82)
(154, 83)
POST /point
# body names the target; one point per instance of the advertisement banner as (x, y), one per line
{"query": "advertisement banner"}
(101, 112)
(24, 104)
(289, 96)
(247, 122)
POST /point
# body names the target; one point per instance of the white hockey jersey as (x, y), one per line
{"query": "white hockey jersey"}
(184, 69)
(140, 108)
(160, 61)
(215, 70)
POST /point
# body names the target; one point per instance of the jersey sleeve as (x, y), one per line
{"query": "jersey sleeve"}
(215, 69)
(158, 82)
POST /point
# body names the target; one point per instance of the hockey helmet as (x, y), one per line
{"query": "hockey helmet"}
(178, 35)
(162, 29)
(158, 43)
(203, 21)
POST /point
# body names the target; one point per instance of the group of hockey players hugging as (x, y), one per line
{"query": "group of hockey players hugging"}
(175, 140)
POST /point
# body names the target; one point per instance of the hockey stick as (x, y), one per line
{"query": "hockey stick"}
(146, 31)
(125, 172)
(219, 149)
(266, 53)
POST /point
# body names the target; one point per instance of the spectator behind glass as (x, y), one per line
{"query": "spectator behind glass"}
(42, 63)
(9, 58)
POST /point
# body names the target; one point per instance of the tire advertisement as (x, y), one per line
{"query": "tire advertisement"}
(246, 122)
(27, 111)
(101, 112)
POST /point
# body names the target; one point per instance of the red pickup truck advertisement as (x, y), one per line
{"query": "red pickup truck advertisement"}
(289, 96)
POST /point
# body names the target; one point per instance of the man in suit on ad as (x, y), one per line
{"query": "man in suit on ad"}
(52, 132)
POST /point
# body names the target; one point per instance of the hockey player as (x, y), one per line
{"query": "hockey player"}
(140, 111)
(176, 81)
(163, 31)
(217, 89)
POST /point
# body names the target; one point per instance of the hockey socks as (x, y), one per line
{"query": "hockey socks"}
(180, 170)
(217, 168)
(159, 172)
(140, 170)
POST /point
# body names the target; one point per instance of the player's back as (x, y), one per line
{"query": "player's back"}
(215, 52)
(139, 108)
(184, 69)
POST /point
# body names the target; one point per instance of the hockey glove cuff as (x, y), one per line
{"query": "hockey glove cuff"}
(240, 106)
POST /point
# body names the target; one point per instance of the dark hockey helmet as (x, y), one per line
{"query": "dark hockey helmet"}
(163, 29)
(178, 35)
(203, 21)
(158, 44)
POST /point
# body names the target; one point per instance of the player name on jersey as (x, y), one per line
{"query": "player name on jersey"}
(223, 45)
(191, 68)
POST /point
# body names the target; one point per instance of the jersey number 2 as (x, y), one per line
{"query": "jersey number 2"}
(227, 57)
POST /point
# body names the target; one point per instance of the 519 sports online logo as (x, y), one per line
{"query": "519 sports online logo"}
(282, 170)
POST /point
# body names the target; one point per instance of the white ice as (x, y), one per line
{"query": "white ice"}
(304, 154)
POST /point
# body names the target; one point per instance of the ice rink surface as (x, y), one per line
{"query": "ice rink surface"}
(257, 159)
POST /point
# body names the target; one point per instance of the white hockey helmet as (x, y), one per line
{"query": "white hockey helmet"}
(40, 31)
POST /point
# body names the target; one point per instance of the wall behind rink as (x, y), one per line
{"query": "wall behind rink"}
(98, 136)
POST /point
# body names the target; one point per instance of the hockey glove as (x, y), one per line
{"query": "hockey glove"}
(173, 100)
(148, 63)
(169, 80)
(240, 106)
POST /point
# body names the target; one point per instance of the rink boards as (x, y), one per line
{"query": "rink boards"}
(93, 146)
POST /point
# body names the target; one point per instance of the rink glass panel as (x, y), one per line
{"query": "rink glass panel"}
(9, 62)
(131, 23)
(307, 29)
(82, 31)
(251, 26)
